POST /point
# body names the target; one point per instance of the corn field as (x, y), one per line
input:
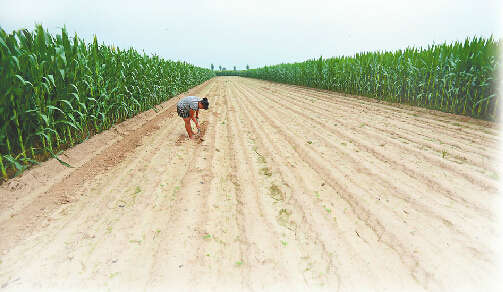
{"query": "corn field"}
(458, 78)
(228, 72)
(56, 91)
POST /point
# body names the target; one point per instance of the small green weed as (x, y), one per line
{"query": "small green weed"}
(276, 193)
(135, 241)
(266, 171)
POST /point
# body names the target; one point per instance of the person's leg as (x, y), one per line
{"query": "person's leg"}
(188, 127)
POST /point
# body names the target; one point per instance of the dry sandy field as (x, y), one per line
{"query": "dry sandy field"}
(285, 188)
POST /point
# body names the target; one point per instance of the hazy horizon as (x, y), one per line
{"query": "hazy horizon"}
(228, 34)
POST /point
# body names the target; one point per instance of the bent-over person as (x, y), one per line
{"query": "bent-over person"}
(188, 109)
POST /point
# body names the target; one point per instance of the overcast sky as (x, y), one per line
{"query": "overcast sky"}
(237, 33)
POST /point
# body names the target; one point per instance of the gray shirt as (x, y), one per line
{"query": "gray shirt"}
(189, 102)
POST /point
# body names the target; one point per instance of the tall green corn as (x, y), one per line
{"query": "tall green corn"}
(457, 78)
(56, 91)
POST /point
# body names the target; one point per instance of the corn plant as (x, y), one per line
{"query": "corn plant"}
(457, 78)
(56, 91)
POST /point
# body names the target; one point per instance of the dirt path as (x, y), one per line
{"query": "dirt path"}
(288, 187)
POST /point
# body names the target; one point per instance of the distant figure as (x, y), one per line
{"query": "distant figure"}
(188, 109)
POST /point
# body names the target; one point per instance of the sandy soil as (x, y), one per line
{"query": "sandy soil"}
(287, 188)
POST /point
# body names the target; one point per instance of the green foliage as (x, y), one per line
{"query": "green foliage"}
(457, 78)
(56, 91)
(230, 73)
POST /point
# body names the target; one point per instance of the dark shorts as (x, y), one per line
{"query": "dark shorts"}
(182, 113)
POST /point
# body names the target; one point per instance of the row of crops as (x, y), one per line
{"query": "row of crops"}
(56, 91)
(457, 78)
(228, 73)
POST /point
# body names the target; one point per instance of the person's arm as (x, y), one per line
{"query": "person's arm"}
(197, 114)
(193, 118)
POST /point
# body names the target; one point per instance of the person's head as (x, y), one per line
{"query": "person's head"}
(204, 104)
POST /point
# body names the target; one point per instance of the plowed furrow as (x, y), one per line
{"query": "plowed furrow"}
(289, 135)
(345, 160)
(358, 121)
(435, 119)
(473, 178)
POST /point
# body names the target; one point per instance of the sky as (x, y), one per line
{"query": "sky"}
(261, 32)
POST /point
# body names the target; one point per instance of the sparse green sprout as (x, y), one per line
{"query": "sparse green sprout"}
(266, 171)
(135, 241)
(276, 193)
(284, 243)
(261, 158)
(444, 153)
(239, 263)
